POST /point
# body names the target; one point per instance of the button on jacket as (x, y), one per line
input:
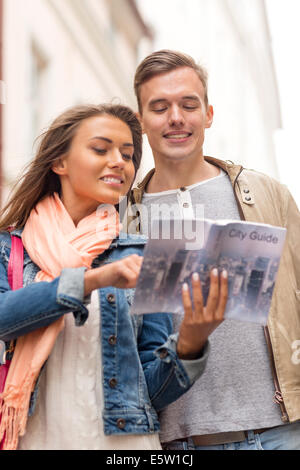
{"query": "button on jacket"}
(141, 371)
(263, 199)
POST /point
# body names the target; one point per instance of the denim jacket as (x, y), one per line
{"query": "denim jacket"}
(141, 371)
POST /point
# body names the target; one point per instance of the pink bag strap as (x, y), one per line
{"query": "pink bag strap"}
(15, 264)
(15, 279)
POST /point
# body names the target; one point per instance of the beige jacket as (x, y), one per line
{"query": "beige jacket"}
(262, 199)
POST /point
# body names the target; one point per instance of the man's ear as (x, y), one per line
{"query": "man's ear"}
(60, 166)
(209, 116)
(140, 118)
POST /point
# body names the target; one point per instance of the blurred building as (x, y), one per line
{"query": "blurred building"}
(57, 53)
(231, 39)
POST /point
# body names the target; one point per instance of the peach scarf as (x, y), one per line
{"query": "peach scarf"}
(53, 243)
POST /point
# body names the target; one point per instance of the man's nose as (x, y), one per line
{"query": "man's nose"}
(176, 116)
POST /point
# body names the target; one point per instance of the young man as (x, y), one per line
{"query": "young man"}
(248, 396)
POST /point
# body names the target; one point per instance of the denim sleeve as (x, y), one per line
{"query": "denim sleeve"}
(70, 290)
(40, 304)
(167, 376)
(195, 367)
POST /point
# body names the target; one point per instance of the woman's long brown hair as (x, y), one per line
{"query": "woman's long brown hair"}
(39, 180)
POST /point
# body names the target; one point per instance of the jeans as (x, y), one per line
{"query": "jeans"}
(286, 437)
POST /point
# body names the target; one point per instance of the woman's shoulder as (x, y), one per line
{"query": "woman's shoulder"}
(5, 246)
(5, 238)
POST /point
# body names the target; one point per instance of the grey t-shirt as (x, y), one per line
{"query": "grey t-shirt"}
(236, 390)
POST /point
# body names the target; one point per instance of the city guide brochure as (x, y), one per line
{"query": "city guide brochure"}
(250, 253)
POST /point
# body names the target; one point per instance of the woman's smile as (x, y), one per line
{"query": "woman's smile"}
(113, 180)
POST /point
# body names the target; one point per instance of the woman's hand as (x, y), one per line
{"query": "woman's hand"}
(200, 322)
(122, 274)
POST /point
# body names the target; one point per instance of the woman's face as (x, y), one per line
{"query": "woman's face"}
(98, 167)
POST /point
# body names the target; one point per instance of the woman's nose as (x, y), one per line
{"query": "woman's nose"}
(116, 159)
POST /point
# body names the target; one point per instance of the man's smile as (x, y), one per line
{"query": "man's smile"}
(177, 136)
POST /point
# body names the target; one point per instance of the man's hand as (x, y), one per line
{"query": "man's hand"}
(200, 322)
(122, 274)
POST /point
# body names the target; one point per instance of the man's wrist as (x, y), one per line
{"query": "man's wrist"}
(187, 355)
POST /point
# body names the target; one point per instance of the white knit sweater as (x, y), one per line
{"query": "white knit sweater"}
(68, 414)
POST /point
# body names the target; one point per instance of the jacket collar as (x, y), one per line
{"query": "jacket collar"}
(230, 168)
(17, 232)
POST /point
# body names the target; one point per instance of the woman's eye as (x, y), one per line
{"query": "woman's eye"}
(100, 151)
(126, 156)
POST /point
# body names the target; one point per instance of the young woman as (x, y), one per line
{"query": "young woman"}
(94, 379)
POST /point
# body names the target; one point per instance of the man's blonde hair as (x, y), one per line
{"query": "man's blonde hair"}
(164, 61)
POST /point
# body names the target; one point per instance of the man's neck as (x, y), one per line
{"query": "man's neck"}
(177, 175)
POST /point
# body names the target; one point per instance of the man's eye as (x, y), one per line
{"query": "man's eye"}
(189, 107)
(159, 110)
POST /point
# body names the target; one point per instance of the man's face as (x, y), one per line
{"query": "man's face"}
(174, 115)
